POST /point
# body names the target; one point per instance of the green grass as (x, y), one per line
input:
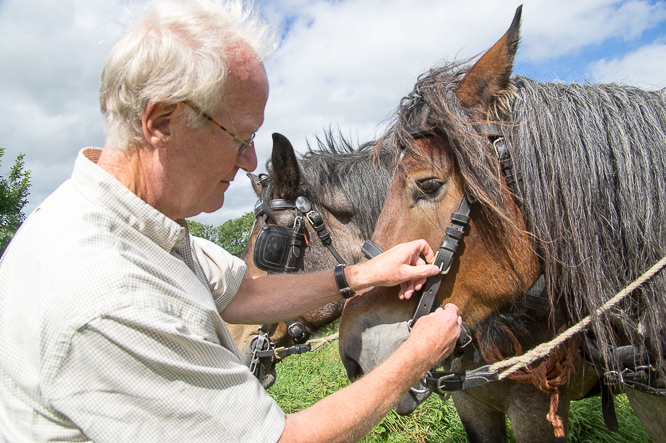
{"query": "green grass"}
(302, 380)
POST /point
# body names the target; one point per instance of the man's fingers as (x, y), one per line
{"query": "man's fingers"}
(425, 250)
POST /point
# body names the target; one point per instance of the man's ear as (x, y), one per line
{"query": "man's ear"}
(156, 122)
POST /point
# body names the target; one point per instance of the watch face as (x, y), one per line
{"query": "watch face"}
(303, 204)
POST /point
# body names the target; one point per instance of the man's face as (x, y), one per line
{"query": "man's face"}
(206, 159)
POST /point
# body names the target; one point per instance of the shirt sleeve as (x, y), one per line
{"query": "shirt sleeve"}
(140, 374)
(223, 270)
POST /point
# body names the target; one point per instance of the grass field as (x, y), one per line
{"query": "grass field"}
(302, 380)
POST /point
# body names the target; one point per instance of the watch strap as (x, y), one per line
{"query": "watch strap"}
(341, 281)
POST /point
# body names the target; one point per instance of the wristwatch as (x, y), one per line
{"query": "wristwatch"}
(341, 281)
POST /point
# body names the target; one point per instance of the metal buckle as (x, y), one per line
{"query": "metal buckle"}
(424, 382)
(454, 381)
(616, 378)
(442, 381)
(259, 342)
(479, 377)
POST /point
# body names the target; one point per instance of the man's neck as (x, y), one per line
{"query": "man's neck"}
(133, 168)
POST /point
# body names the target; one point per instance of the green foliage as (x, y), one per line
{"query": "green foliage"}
(13, 197)
(302, 380)
(232, 235)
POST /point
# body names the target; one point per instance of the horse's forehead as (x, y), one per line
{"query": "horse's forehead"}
(427, 154)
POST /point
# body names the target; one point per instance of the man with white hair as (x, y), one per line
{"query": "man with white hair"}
(111, 314)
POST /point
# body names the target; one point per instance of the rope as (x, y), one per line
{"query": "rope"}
(516, 363)
(322, 341)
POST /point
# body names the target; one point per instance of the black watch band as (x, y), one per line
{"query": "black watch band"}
(341, 281)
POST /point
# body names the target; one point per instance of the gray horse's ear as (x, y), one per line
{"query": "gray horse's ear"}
(256, 183)
(284, 172)
(490, 75)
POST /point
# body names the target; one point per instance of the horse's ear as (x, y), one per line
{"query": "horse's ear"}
(489, 77)
(256, 183)
(285, 172)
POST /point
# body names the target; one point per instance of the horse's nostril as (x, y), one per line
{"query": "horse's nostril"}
(354, 370)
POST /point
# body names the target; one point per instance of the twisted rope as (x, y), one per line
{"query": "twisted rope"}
(322, 341)
(516, 363)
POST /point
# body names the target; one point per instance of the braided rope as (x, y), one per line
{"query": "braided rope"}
(516, 363)
(322, 341)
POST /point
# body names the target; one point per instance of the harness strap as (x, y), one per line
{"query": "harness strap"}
(535, 297)
(608, 407)
(638, 372)
(277, 204)
(297, 237)
(513, 178)
(280, 353)
(444, 258)
(317, 223)
(370, 249)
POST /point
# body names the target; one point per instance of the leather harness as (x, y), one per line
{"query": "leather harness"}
(641, 377)
(277, 250)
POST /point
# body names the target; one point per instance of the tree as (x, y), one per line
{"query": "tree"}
(232, 235)
(13, 197)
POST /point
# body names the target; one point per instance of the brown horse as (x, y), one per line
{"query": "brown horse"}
(560, 181)
(336, 179)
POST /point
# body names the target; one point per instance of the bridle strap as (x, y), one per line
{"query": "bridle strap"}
(317, 223)
(513, 178)
(277, 204)
(444, 258)
(297, 236)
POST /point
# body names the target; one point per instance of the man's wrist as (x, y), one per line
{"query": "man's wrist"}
(341, 281)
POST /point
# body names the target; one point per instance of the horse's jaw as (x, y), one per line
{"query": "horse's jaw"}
(370, 348)
(412, 399)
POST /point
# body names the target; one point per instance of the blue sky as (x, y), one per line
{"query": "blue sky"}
(343, 64)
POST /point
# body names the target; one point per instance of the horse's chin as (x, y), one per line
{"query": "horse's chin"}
(411, 400)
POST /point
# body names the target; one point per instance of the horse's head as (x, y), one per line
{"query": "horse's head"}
(444, 137)
(328, 202)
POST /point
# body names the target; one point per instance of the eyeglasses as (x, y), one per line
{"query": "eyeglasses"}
(244, 144)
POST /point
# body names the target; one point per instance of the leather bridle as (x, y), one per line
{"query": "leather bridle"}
(456, 230)
(277, 250)
(443, 382)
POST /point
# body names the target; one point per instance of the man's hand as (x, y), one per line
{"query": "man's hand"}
(436, 334)
(406, 264)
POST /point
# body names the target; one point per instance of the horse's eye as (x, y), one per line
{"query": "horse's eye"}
(428, 188)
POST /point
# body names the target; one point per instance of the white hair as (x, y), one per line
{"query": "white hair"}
(177, 52)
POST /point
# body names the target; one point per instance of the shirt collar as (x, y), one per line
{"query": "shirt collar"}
(101, 187)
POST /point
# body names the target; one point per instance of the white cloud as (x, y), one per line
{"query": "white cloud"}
(645, 68)
(343, 64)
(554, 28)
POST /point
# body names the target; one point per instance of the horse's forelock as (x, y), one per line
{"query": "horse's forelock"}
(432, 106)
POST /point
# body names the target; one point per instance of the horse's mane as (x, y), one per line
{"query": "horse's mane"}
(337, 166)
(592, 159)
